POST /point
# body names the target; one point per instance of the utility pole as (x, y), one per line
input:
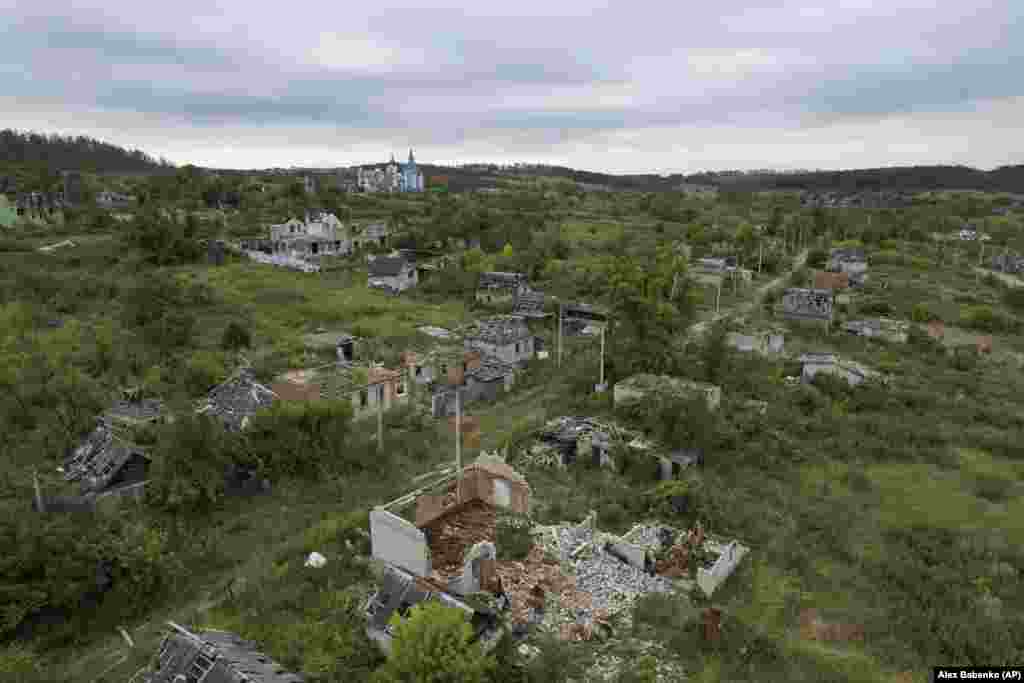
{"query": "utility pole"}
(560, 306)
(40, 505)
(718, 295)
(602, 351)
(760, 255)
(380, 418)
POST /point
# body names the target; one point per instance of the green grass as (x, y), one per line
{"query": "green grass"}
(924, 495)
(286, 304)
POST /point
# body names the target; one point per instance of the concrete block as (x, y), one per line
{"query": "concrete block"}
(632, 554)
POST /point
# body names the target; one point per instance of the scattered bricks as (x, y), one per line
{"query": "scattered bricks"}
(826, 280)
(813, 628)
(985, 344)
(808, 617)
(677, 563)
(936, 329)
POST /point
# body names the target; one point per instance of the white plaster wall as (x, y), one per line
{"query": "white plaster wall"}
(399, 542)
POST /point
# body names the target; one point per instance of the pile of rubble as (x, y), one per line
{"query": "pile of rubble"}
(530, 582)
(283, 261)
(559, 440)
(612, 584)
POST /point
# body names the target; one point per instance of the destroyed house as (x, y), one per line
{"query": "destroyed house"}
(529, 303)
(105, 462)
(371, 234)
(508, 339)
(235, 401)
(212, 656)
(108, 199)
(673, 464)
(499, 287)
(367, 389)
(883, 328)
(485, 378)
(638, 387)
(764, 343)
(400, 591)
(850, 261)
(814, 363)
(578, 318)
(448, 551)
(1007, 263)
(132, 411)
(392, 273)
(578, 438)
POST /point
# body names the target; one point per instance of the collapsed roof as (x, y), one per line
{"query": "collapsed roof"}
(100, 457)
(238, 399)
(499, 331)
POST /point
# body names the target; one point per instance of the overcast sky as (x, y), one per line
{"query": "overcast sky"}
(621, 87)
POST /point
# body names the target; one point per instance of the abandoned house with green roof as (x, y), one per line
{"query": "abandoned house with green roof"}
(638, 387)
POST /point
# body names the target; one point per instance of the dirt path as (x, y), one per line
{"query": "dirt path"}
(699, 328)
(1008, 279)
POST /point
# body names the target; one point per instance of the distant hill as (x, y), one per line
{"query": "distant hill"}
(1003, 179)
(906, 178)
(53, 153)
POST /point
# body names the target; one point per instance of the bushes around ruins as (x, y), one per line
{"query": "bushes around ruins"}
(433, 644)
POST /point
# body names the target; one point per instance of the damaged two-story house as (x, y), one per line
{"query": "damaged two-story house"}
(320, 234)
(496, 287)
(447, 551)
(508, 339)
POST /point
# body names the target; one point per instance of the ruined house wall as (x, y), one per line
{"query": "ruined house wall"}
(398, 542)
(711, 579)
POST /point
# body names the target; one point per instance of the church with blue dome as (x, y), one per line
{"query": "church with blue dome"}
(411, 178)
(392, 178)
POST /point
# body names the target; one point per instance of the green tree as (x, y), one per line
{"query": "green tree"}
(433, 646)
(715, 353)
(236, 337)
(190, 461)
(306, 440)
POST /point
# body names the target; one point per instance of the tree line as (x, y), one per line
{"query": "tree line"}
(59, 152)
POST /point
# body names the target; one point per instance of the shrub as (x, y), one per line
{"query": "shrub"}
(513, 538)
(306, 440)
(922, 314)
(202, 371)
(920, 263)
(889, 256)
(236, 337)
(817, 258)
(433, 644)
(1014, 298)
(985, 319)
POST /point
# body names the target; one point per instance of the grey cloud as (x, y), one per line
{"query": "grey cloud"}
(522, 76)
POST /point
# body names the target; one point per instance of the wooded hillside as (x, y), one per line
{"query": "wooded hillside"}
(57, 152)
